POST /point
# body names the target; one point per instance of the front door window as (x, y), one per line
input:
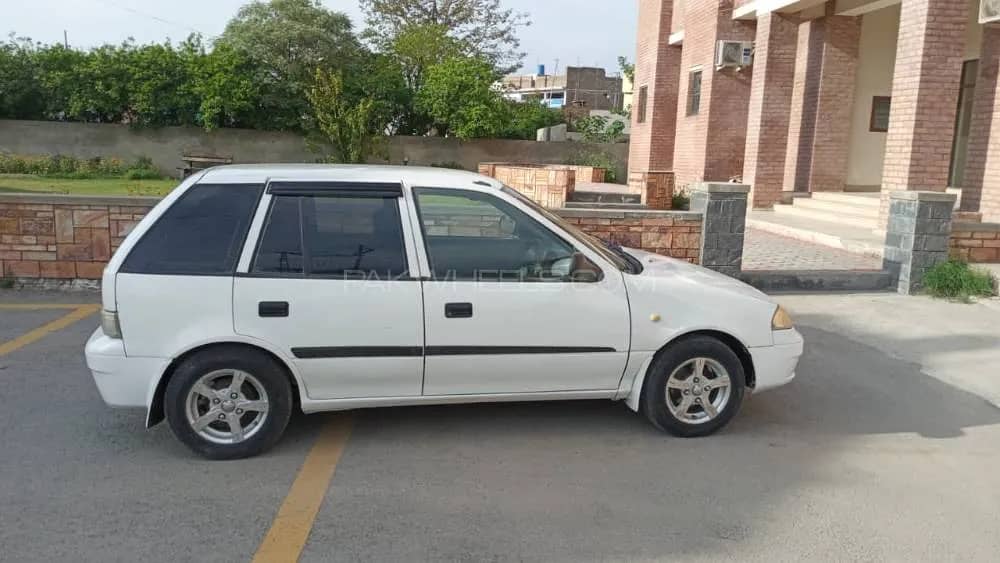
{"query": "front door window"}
(475, 236)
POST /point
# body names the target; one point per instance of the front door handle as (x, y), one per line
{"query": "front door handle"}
(272, 308)
(458, 310)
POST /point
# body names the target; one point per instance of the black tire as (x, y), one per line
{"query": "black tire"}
(262, 367)
(654, 391)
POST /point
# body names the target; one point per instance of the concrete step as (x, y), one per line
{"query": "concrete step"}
(852, 208)
(604, 197)
(843, 216)
(864, 199)
(817, 280)
(860, 240)
(598, 205)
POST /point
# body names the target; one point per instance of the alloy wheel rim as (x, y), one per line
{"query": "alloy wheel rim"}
(698, 390)
(227, 406)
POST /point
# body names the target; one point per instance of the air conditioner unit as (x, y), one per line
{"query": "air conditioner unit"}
(989, 11)
(733, 53)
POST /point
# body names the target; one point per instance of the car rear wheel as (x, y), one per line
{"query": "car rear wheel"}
(694, 388)
(228, 403)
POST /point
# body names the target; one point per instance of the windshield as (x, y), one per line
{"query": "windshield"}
(590, 241)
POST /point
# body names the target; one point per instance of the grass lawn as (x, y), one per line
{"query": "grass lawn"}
(26, 183)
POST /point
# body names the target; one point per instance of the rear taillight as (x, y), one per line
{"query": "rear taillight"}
(110, 325)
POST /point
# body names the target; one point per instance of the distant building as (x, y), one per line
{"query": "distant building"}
(586, 87)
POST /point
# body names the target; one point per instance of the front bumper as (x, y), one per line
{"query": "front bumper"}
(123, 381)
(774, 365)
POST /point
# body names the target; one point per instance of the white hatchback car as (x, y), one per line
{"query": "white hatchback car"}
(250, 289)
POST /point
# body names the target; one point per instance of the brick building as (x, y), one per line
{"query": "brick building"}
(839, 95)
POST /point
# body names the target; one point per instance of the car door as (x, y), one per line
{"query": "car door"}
(328, 283)
(501, 315)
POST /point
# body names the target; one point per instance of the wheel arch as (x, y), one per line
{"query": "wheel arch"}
(155, 413)
(734, 344)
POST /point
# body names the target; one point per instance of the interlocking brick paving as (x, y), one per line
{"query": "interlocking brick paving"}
(767, 251)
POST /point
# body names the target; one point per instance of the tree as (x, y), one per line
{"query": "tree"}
(222, 83)
(483, 25)
(286, 41)
(353, 128)
(21, 95)
(526, 118)
(599, 129)
(627, 68)
(458, 95)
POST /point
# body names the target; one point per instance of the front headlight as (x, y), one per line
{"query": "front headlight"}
(781, 319)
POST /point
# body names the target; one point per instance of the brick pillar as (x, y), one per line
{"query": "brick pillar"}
(769, 108)
(822, 99)
(657, 68)
(925, 86)
(834, 103)
(724, 208)
(656, 187)
(916, 238)
(981, 191)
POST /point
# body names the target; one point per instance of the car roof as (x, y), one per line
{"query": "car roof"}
(411, 175)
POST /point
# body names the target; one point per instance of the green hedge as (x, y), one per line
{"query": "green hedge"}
(59, 166)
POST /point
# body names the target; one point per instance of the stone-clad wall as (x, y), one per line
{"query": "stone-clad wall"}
(72, 237)
(548, 186)
(64, 237)
(671, 233)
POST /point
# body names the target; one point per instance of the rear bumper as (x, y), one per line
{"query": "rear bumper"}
(123, 381)
(775, 365)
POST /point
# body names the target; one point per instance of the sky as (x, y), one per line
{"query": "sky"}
(561, 29)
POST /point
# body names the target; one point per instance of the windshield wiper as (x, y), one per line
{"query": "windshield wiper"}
(635, 266)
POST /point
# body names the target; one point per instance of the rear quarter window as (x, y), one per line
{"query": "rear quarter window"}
(202, 233)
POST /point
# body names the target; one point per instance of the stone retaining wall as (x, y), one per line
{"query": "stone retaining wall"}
(64, 237)
(671, 233)
(975, 242)
(73, 237)
(547, 186)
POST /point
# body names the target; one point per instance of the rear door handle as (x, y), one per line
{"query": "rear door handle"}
(272, 308)
(458, 310)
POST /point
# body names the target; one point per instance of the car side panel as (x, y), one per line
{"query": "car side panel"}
(162, 314)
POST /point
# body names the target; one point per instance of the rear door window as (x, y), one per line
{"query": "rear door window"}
(332, 236)
(202, 233)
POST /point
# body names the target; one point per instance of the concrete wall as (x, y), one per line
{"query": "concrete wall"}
(876, 57)
(166, 145)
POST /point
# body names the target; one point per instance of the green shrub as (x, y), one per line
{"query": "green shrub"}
(954, 279)
(680, 201)
(598, 159)
(6, 283)
(68, 167)
(449, 164)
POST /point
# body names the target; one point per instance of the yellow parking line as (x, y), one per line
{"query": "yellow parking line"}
(40, 306)
(291, 527)
(81, 312)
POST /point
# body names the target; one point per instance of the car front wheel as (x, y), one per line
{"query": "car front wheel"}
(228, 403)
(694, 388)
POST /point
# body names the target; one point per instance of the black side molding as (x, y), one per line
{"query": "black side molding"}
(357, 351)
(416, 351)
(506, 350)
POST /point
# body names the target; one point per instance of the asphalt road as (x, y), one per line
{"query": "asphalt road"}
(862, 457)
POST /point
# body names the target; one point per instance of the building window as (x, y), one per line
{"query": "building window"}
(694, 92)
(879, 122)
(640, 111)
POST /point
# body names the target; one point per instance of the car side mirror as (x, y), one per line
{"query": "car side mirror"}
(583, 270)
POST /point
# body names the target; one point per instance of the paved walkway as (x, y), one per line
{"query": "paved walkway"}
(767, 251)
